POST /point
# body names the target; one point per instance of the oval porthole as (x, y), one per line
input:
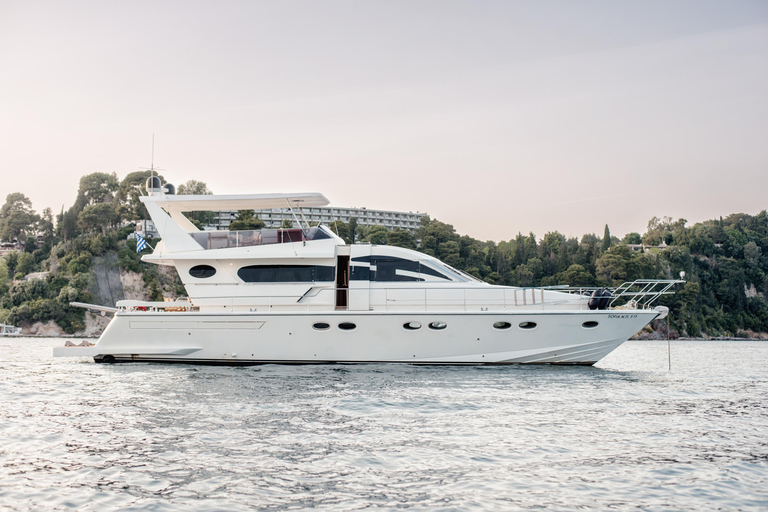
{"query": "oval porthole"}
(347, 326)
(411, 326)
(438, 326)
(589, 325)
(202, 271)
(502, 325)
(321, 326)
(527, 325)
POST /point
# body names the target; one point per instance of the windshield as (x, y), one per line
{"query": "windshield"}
(449, 271)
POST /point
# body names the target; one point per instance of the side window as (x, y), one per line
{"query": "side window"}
(388, 270)
(395, 269)
(285, 273)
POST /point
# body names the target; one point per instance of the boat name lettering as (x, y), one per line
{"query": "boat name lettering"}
(622, 316)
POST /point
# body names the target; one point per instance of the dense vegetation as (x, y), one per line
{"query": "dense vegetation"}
(89, 229)
(725, 260)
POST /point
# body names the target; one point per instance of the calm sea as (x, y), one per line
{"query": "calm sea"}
(625, 435)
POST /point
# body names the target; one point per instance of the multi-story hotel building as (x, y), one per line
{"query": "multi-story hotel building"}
(274, 218)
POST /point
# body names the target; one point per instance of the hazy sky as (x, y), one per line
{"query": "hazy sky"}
(494, 116)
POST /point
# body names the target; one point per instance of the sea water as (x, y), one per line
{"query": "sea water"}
(627, 434)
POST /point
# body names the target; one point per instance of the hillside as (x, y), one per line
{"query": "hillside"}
(89, 259)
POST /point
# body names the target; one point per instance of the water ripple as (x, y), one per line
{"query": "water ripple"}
(627, 434)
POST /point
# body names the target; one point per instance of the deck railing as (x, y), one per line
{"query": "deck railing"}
(639, 294)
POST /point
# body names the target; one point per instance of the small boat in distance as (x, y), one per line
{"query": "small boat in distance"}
(305, 296)
(9, 330)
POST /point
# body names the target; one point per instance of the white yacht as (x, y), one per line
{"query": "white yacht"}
(305, 296)
(9, 330)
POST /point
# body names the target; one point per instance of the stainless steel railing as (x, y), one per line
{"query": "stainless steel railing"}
(639, 294)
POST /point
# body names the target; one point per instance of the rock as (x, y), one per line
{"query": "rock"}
(49, 328)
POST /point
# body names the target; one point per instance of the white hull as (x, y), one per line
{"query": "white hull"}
(378, 337)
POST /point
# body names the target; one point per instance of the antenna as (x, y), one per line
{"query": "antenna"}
(152, 165)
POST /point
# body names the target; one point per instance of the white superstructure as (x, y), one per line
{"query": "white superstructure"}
(303, 296)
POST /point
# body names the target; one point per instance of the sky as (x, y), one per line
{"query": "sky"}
(497, 117)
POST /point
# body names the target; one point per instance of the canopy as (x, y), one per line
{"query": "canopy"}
(174, 204)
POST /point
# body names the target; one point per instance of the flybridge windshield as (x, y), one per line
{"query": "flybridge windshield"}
(227, 239)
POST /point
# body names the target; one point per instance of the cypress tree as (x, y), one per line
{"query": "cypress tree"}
(606, 239)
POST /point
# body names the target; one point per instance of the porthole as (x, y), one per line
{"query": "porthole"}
(527, 325)
(589, 325)
(321, 326)
(347, 326)
(502, 325)
(438, 326)
(202, 271)
(411, 326)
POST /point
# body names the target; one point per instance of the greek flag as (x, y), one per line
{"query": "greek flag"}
(141, 244)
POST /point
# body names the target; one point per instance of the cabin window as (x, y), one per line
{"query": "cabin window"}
(387, 269)
(589, 325)
(347, 326)
(411, 326)
(527, 325)
(438, 326)
(395, 269)
(202, 271)
(285, 273)
(321, 326)
(502, 325)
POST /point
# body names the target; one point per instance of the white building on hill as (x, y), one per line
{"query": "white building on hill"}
(273, 218)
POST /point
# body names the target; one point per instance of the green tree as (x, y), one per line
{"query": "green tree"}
(26, 263)
(611, 268)
(352, 229)
(129, 206)
(401, 238)
(17, 218)
(286, 224)
(193, 188)
(576, 275)
(98, 215)
(376, 235)
(246, 220)
(606, 238)
(5, 278)
(632, 238)
(66, 223)
(45, 224)
(197, 188)
(341, 230)
(97, 187)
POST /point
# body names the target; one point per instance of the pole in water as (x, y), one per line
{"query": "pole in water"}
(669, 349)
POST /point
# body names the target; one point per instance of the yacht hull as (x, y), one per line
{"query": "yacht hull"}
(468, 338)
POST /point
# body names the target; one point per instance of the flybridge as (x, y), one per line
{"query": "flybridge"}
(228, 239)
(174, 228)
(173, 203)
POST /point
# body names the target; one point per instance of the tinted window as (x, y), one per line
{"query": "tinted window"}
(411, 326)
(438, 325)
(392, 269)
(528, 325)
(321, 326)
(202, 271)
(360, 273)
(396, 269)
(347, 326)
(285, 273)
(589, 325)
(502, 325)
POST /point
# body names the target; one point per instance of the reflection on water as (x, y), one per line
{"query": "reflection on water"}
(626, 434)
